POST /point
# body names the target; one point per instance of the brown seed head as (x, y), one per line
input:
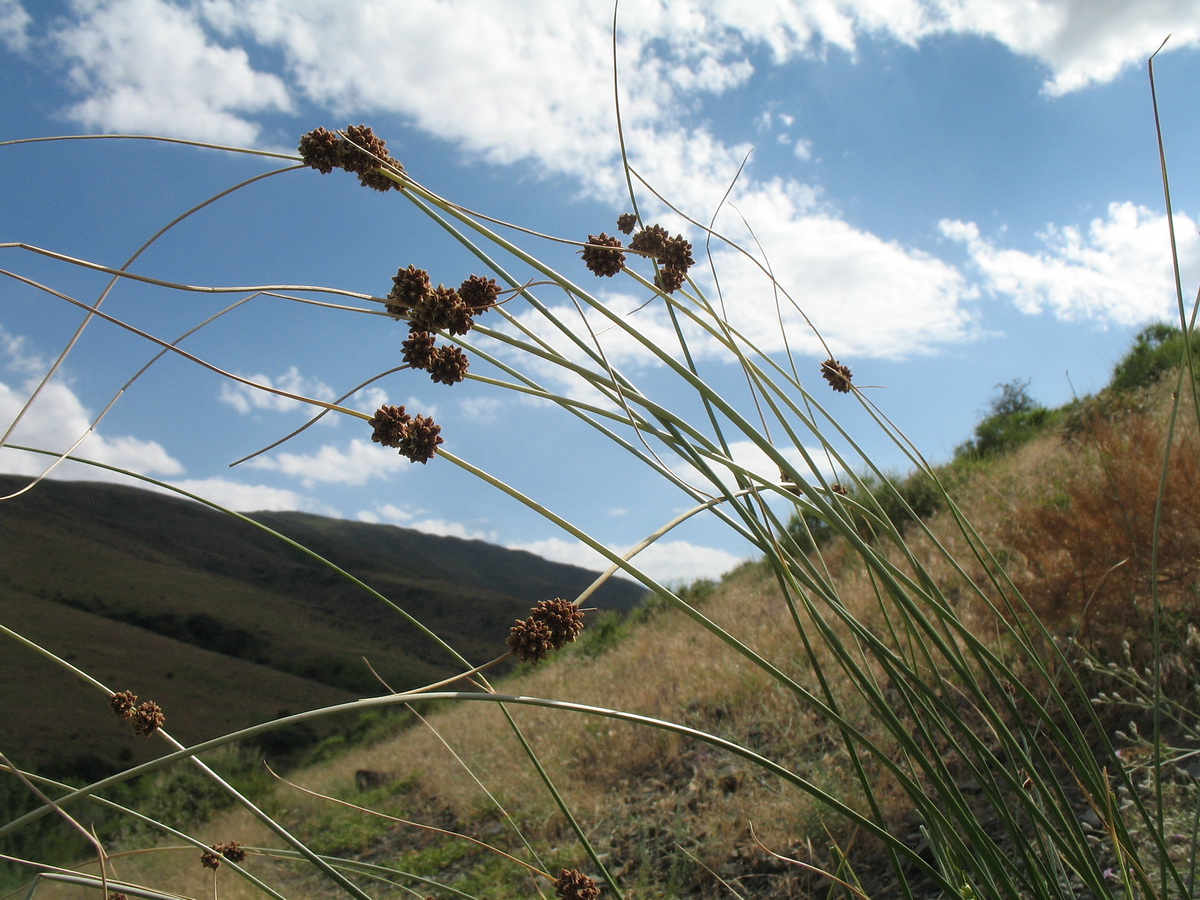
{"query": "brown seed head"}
(626, 222)
(390, 424)
(421, 440)
(571, 884)
(364, 154)
(148, 718)
(441, 309)
(409, 287)
(210, 860)
(418, 349)
(669, 279)
(837, 375)
(448, 365)
(231, 850)
(479, 293)
(322, 150)
(677, 254)
(550, 625)
(650, 241)
(123, 704)
(604, 263)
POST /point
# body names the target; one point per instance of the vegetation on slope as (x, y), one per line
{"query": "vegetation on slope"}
(1070, 509)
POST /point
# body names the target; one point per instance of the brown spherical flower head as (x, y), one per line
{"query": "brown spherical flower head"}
(677, 254)
(448, 365)
(390, 424)
(123, 704)
(418, 349)
(626, 222)
(571, 884)
(479, 293)
(409, 287)
(231, 850)
(322, 150)
(365, 153)
(148, 718)
(422, 439)
(441, 309)
(210, 860)
(551, 625)
(650, 241)
(602, 262)
(670, 279)
(837, 375)
(530, 640)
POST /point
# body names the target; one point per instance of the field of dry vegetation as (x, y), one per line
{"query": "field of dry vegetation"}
(1070, 513)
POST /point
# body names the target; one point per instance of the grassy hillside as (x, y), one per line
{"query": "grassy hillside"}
(1070, 509)
(188, 606)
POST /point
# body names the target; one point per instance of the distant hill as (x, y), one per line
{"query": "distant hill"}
(221, 623)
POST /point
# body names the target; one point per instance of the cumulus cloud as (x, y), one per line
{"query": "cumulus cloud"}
(56, 421)
(150, 66)
(356, 463)
(666, 561)
(1116, 271)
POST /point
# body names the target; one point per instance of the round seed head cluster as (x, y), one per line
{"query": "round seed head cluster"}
(571, 884)
(447, 365)
(418, 349)
(673, 255)
(429, 309)
(210, 860)
(146, 717)
(415, 437)
(626, 222)
(390, 424)
(421, 442)
(123, 704)
(409, 287)
(231, 850)
(551, 625)
(837, 375)
(479, 293)
(361, 151)
(602, 262)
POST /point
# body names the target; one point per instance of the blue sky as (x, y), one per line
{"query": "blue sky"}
(958, 193)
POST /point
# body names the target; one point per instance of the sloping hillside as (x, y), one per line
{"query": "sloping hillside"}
(222, 623)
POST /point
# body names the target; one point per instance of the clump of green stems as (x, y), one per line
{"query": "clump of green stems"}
(952, 706)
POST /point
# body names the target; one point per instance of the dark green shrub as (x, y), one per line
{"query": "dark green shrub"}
(1014, 418)
(1156, 350)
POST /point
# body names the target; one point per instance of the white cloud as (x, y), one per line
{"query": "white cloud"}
(356, 463)
(251, 497)
(1117, 271)
(869, 296)
(55, 422)
(14, 25)
(244, 398)
(148, 66)
(665, 561)
(1082, 42)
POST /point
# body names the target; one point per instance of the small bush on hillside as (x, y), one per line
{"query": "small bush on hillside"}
(1014, 418)
(1156, 350)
